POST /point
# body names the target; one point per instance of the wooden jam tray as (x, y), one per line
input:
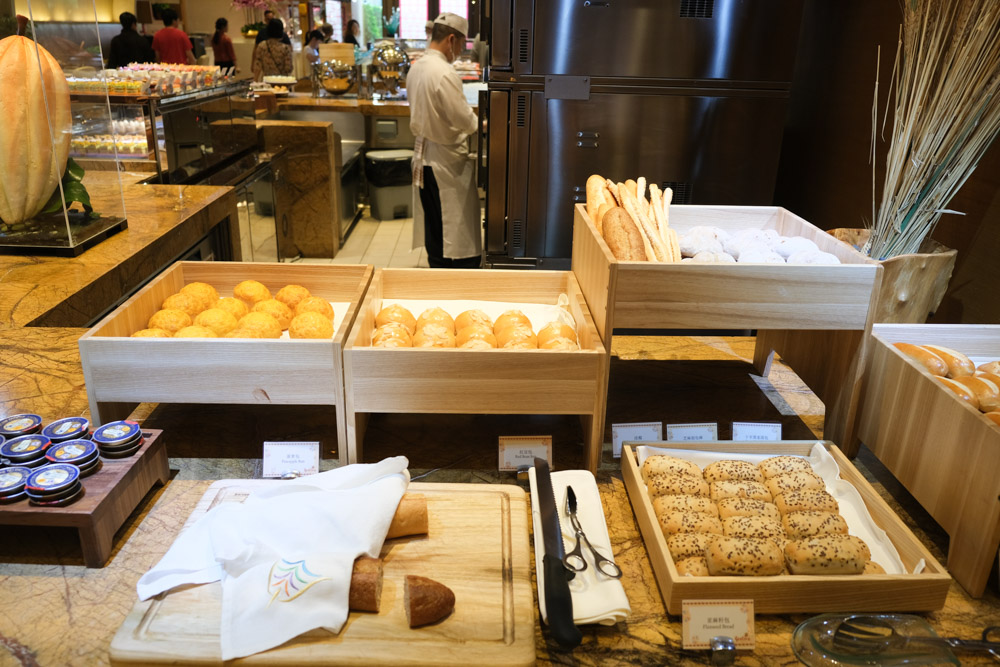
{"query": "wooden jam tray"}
(109, 497)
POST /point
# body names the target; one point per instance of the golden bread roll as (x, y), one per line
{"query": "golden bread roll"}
(689, 522)
(195, 331)
(809, 500)
(720, 471)
(152, 333)
(204, 292)
(314, 304)
(189, 303)
(528, 343)
(233, 306)
(871, 567)
(275, 309)
(735, 506)
(743, 556)
(476, 344)
(436, 316)
(291, 295)
(696, 566)
(171, 319)
(470, 317)
(993, 416)
(802, 525)
(250, 292)
(987, 392)
(434, 335)
(671, 503)
(623, 236)
(310, 325)
(990, 367)
(396, 313)
(509, 317)
(934, 364)
(958, 364)
(390, 341)
(518, 337)
(244, 333)
(558, 343)
(262, 322)
(666, 484)
(963, 392)
(662, 463)
(394, 330)
(992, 377)
(688, 545)
(794, 481)
(827, 554)
(756, 527)
(738, 489)
(216, 319)
(779, 465)
(555, 330)
(477, 331)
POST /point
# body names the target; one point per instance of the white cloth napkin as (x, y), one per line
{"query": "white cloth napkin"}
(285, 554)
(596, 597)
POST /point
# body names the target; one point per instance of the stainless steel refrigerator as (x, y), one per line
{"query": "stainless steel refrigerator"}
(691, 94)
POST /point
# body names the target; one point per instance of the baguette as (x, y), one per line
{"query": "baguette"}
(729, 507)
(958, 364)
(802, 525)
(689, 522)
(743, 556)
(674, 503)
(990, 367)
(738, 489)
(779, 465)
(696, 566)
(986, 391)
(603, 211)
(934, 364)
(410, 517)
(652, 245)
(743, 471)
(623, 236)
(426, 600)
(595, 197)
(809, 500)
(794, 481)
(366, 584)
(961, 391)
(665, 484)
(662, 463)
(689, 545)
(827, 554)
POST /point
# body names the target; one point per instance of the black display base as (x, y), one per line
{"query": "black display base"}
(41, 240)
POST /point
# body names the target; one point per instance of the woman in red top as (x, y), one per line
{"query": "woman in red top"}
(225, 55)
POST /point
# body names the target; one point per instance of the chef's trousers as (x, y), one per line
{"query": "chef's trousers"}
(430, 199)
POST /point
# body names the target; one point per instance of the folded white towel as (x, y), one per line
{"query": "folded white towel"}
(596, 597)
(285, 554)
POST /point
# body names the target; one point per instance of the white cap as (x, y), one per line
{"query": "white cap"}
(453, 21)
(429, 26)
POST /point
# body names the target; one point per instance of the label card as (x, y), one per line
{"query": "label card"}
(745, 431)
(704, 619)
(519, 451)
(281, 458)
(646, 432)
(692, 432)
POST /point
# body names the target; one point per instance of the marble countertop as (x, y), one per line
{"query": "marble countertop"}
(306, 102)
(54, 611)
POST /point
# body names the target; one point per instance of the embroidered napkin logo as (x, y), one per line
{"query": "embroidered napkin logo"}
(288, 580)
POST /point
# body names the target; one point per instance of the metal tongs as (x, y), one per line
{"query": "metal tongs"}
(574, 560)
(865, 634)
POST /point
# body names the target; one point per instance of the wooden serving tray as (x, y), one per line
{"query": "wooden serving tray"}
(121, 371)
(110, 495)
(782, 594)
(944, 451)
(477, 545)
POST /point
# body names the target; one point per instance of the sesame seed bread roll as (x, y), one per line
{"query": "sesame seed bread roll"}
(803, 525)
(689, 522)
(696, 566)
(794, 481)
(809, 500)
(661, 463)
(688, 545)
(734, 489)
(827, 554)
(742, 471)
(665, 484)
(736, 506)
(871, 567)
(743, 556)
(756, 527)
(666, 504)
(779, 465)
(958, 364)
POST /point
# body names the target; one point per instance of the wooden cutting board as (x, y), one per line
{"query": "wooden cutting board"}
(477, 544)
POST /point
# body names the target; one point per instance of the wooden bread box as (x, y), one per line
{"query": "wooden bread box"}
(782, 594)
(943, 450)
(458, 381)
(817, 317)
(121, 371)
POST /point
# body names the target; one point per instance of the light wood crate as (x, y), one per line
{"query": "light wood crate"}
(817, 317)
(120, 371)
(944, 451)
(456, 381)
(785, 593)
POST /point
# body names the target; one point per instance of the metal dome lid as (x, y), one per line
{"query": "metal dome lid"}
(389, 55)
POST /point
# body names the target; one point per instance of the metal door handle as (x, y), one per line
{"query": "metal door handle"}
(593, 3)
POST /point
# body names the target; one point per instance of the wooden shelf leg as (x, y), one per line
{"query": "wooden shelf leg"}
(95, 540)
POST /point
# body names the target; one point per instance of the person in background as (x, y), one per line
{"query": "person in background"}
(327, 31)
(172, 44)
(352, 32)
(262, 34)
(446, 218)
(428, 29)
(272, 57)
(222, 46)
(129, 46)
(313, 40)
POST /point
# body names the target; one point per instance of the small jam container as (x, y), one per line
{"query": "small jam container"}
(61, 501)
(49, 497)
(117, 434)
(70, 428)
(12, 481)
(15, 425)
(90, 468)
(52, 479)
(78, 452)
(25, 449)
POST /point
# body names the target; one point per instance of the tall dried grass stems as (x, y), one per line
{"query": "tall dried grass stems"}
(947, 113)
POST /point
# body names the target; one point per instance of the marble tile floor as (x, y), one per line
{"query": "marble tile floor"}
(383, 244)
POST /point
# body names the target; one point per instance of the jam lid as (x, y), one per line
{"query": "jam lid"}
(77, 452)
(25, 448)
(16, 425)
(117, 433)
(58, 502)
(12, 480)
(69, 428)
(52, 478)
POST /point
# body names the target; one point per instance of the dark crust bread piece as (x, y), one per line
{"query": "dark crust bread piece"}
(426, 600)
(622, 236)
(366, 584)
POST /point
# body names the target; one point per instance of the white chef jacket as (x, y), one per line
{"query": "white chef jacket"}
(443, 120)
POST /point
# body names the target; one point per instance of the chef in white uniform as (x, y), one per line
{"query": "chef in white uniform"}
(446, 217)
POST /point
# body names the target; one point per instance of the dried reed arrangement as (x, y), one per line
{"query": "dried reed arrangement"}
(946, 114)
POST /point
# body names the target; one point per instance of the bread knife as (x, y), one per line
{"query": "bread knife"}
(558, 599)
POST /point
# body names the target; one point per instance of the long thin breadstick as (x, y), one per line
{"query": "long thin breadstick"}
(613, 189)
(640, 195)
(668, 196)
(628, 203)
(675, 245)
(645, 226)
(656, 206)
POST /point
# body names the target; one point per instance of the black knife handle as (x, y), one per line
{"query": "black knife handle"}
(559, 604)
